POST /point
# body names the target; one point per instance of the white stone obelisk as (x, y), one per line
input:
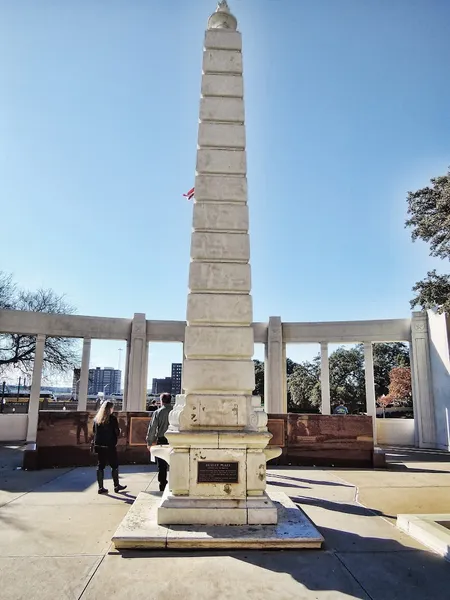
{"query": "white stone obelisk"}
(218, 433)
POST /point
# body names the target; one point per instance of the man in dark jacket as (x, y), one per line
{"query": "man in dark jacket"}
(157, 432)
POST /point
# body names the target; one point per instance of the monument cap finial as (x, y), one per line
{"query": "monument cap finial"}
(222, 18)
(222, 6)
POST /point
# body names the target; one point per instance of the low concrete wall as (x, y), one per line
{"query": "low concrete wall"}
(63, 439)
(395, 432)
(13, 427)
(323, 440)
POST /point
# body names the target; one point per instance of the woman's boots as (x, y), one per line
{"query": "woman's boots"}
(100, 475)
(115, 476)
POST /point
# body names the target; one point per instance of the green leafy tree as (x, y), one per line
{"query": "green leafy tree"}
(347, 380)
(290, 366)
(433, 292)
(347, 377)
(304, 387)
(429, 219)
(385, 358)
(259, 375)
(259, 379)
(17, 350)
(347, 372)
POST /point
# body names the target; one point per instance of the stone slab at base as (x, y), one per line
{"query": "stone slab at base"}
(183, 510)
(432, 530)
(139, 529)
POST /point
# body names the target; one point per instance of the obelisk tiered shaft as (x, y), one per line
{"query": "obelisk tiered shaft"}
(219, 337)
(218, 431)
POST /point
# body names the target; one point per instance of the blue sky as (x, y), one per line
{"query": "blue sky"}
(346, 110)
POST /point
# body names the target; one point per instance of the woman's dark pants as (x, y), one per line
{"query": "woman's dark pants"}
(107, 456)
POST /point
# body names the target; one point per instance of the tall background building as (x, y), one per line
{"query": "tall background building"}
(177, 369)
(170, 385)
(107, 381)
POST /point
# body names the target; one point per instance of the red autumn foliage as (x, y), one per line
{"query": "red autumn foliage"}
(400, 384)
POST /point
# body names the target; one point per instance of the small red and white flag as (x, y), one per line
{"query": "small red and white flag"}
(190, 194)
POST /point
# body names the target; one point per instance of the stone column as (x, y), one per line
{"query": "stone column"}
(275, 396)
(217, 422)
(138, 367)
(126, 376)
(439, 343)
(325, 379)
(33, 406)
(84, 375)
(421, 381)
(371, 406)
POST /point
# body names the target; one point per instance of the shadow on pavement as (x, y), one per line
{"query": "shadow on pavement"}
(405, 469)
(11, 456)
(405, 455)
(388, 571)
(296, 486)
(343, 507)
(71, 479)
(124, 497)
(311, 481)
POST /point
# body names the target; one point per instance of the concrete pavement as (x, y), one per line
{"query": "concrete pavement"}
(416, 482)
(55, 534)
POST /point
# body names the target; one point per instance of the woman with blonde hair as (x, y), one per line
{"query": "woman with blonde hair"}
(106, 434)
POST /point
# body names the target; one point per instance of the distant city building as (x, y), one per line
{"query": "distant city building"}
(107, 381)
(162, 386)
(177, 369)
(170, 385)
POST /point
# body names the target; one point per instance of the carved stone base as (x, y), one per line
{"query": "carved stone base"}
(217, 456)
(241, 456)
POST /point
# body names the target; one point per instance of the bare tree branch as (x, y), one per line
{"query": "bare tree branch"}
(18, 350)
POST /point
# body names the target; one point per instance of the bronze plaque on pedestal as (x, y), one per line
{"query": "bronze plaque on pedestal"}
(218, 472)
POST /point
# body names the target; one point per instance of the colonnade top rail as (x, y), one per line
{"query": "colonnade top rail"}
(111, 328)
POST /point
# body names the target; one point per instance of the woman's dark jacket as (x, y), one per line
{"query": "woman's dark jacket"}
(107, 434)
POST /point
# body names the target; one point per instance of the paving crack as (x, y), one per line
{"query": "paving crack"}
(92, 575)
(353, 576)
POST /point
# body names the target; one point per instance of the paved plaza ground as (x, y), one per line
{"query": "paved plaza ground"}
(55, 534)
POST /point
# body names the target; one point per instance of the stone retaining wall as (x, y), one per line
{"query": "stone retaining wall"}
(63, 440)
